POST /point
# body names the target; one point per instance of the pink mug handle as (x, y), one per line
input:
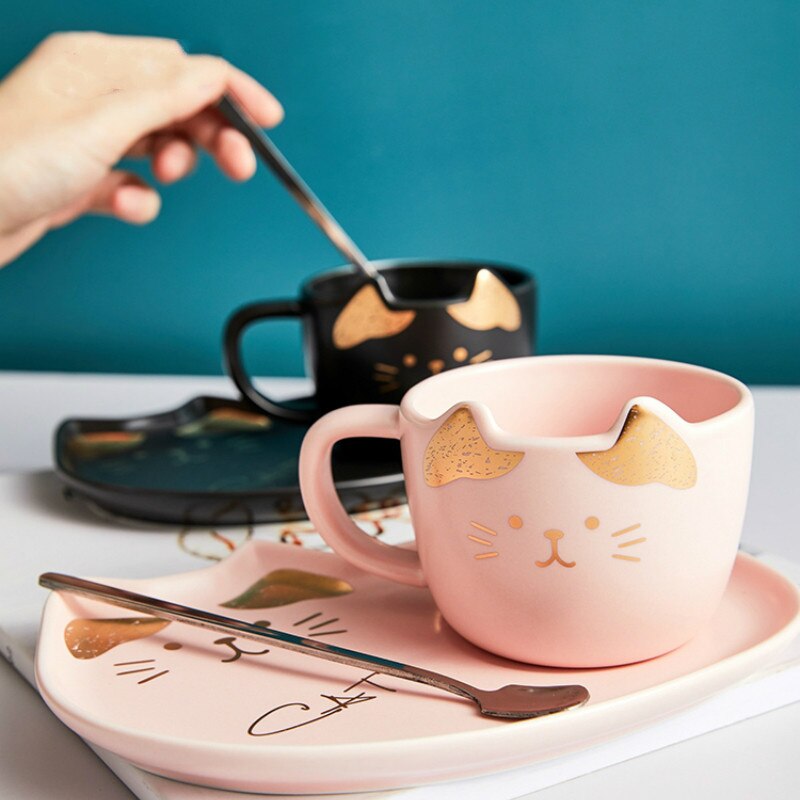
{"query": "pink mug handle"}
(322, 503)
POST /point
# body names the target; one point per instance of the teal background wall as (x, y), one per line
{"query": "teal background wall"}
(641, 158)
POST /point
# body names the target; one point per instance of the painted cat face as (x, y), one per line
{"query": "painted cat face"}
(89, 638)
(647, 451)
(405, 346)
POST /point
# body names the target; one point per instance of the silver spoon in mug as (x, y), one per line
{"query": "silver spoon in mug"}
(311, 204)
(508, 702)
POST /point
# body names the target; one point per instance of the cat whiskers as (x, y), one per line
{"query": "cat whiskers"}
(137, 669)
(484, 355)
(379, 367)
(387, 375)
(481, 541)
(628, 543)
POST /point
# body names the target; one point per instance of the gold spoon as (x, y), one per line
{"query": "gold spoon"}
(508, 702)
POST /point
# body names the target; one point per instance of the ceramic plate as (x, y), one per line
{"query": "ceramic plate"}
(210, 709)
(212, 461)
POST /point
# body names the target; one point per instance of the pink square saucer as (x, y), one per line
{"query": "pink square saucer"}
(204, 708)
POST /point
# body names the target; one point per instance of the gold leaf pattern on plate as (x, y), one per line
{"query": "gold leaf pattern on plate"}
(89, 638)
(282, 587)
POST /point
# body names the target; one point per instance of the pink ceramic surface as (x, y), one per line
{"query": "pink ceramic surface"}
(214, 710)
(569, 510)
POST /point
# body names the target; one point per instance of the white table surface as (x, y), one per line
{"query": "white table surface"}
(758, 758)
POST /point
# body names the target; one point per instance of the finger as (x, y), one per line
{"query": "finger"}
(260, 104)
(229, 148)
(127, 197)
(223, 77)
(203, 128)
(137, 205)
(173, 158)
(233, 155)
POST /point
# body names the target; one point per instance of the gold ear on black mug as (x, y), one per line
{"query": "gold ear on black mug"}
(359, 349)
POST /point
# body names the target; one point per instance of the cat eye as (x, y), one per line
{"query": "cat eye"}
(515, 522)
(460, 354)
(592, 523)
(409, 360)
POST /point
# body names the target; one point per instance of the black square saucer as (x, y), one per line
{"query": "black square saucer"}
(212, 461)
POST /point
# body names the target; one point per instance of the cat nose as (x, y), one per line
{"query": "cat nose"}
(436, 365)
(554, 535)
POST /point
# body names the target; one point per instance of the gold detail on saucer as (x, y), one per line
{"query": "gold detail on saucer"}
(153, 677)
(93, 444)
(480, 556)
(592, 523)
(211, 544)
(225, 419)
(625, 558)
(491, 304)
(647, 451)
(457, 450)
(515, 521)
(89, 638)
(281, 587)
(366, 317)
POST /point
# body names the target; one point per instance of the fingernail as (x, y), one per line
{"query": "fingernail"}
(136, 205)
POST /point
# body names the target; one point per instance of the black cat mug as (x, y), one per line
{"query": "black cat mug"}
(361, 349)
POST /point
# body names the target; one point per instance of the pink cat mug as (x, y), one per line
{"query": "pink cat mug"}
(569, 511)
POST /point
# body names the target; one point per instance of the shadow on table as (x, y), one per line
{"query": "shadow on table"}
(45, 491)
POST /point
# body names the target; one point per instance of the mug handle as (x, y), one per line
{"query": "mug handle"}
(323, 505)
(235, 327)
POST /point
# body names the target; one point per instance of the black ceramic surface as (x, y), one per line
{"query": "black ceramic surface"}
(361, 350)
(213, 461)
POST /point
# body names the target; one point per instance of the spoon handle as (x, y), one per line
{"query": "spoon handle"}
(176, 612)
(312, 205)
(508, 702)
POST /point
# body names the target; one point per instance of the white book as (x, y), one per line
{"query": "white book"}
(44, 531)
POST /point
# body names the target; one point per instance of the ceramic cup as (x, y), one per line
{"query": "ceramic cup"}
(569, 511)
(359, 350)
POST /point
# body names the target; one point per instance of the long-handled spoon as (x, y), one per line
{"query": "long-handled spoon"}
(310, 203)
(509, 702)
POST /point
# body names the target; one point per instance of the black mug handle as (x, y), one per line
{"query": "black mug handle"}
(235, 327)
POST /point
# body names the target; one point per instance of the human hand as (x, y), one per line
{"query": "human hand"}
(82, 101)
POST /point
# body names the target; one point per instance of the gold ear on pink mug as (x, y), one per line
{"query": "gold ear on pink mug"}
(570, 511)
